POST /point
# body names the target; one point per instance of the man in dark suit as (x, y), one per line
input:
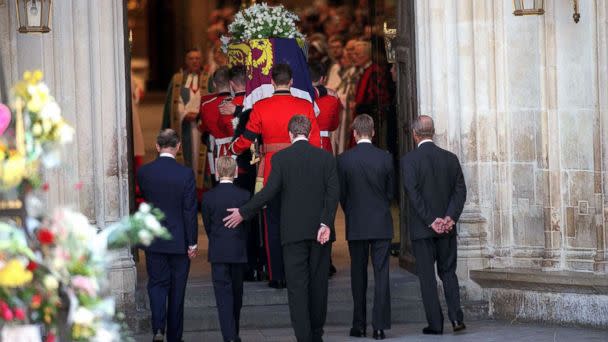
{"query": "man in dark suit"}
(306, 178)
(435, 186)
(366, 189)
(170, 187)
(227, 247)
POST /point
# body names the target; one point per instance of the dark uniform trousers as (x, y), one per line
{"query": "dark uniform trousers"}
(272, 220)
(228, 287)
(306, 264)
(443, 251)
(359, 254)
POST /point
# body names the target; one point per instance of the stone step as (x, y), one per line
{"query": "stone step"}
(199, 294)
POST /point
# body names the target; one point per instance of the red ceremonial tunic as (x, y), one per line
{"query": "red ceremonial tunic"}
(372, 89)
(328, 119)
(210, 122)
(225, 122)
(269, 118)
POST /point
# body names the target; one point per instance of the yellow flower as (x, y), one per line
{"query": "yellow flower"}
(27, 75)
(14, 274)
(37, 75)
(12, 171)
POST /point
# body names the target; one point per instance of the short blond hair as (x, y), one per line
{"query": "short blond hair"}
(226, 166)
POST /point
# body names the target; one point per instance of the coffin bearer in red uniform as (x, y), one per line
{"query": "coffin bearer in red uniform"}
(219, 138)
(269, 119)
(329, 105)
(234, 119)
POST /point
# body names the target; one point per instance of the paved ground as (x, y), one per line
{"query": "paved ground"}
(477, 331)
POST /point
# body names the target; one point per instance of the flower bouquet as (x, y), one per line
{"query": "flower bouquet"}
(54, 280)
(39, 131)
(262, 36)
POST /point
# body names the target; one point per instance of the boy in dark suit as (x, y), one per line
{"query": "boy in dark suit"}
(227, 247)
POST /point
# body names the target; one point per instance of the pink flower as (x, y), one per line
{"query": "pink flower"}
(78, 185)
(85, 284)
(7, 314)
(20, 314)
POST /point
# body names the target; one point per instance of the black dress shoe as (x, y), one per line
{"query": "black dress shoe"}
(277, 284)
(458, 326)
(429, 331)
(378, 334)
(332, 270)
(355, 332)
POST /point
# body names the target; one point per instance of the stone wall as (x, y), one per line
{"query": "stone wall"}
(83, 60)
(523, 102)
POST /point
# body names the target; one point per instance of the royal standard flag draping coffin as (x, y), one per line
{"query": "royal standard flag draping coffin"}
(260, 55)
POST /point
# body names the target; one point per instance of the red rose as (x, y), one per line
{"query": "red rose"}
(45, 236)
(45, 187)
(3, 306)
(50, 337)
(36, 301)
(7, 314)
(20, 314)
(32, 266)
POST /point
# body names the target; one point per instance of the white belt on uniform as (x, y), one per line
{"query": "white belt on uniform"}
(325, 134)
(223, 141)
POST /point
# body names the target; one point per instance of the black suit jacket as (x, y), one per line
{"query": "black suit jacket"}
(307, 180)
(171, 187)
(435, 186)
(366, 190)
(226, 245)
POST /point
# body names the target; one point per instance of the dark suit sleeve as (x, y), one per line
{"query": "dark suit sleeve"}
(390, 180)
(189, 205)
(412, 187)
(206, 213)
(458, 195)
(332, 194)
(342, 179)
(271, 189)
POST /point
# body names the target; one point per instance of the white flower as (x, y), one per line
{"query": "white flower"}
(51, 111)
(83, 316)
(152, 223)
(66, 134)
(50, 283)
(36, 129)
(145, 208)
(145, 237)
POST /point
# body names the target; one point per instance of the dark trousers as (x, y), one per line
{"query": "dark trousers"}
(167, 278)
(443, 251)
(359, 255)
(272, 232)
(306, 264)
(228, 288)
(254, 250)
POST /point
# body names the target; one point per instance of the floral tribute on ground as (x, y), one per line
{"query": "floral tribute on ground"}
(54, 269)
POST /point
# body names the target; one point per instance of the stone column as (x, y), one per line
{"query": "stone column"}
(83, 59)
(601, 200)
(550, 161)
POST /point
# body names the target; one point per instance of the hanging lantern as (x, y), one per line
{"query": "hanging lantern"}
(33, 15)
(528, 7)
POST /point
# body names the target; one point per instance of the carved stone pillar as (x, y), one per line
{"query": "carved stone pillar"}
(83, 60)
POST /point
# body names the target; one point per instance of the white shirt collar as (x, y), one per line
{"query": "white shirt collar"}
(424, 141)
(165, 154)
(364, 141)
(299, 139)
(225, 181)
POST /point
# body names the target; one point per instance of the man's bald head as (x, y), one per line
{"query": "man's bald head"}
(423, 127)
